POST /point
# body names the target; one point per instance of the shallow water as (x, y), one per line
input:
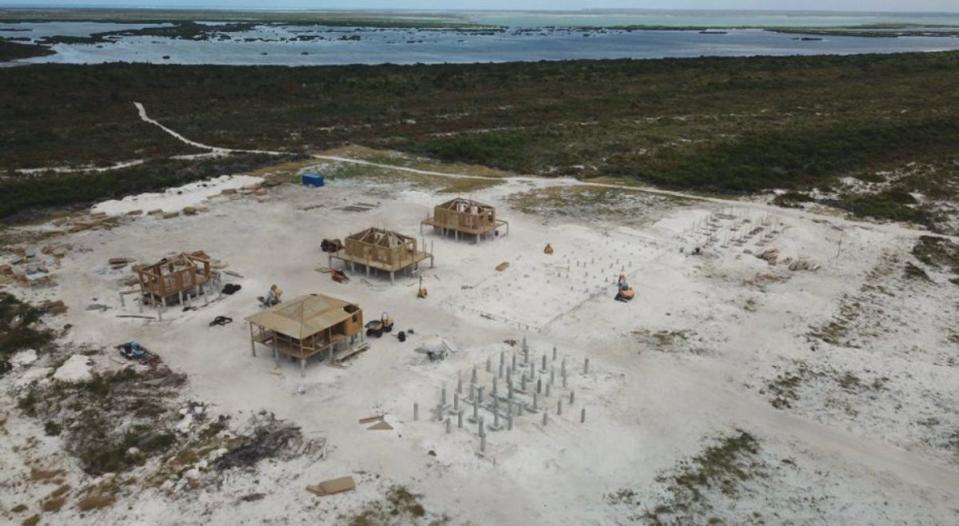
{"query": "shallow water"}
(318, 45)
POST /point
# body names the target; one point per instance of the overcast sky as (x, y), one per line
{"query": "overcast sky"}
(832, 5)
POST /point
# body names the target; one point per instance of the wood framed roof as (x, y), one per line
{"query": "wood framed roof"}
(304, 316)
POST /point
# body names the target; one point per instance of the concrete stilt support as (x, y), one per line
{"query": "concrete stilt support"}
(499, 373)
(582, 416)
(535, 402)
(545, 418)
(479, 394)
(514, 361)
(554, 353)
(559, 407)
(302, 366)
(456, 402)
(459, 420)
(547, 389)
(509, 388)
(552, 376)
(509, 421)
(562, 368)
(443, 396)
(502, 360)
(482, 427)
(586, 366)
(564, 381)
(489, 365)
(495, 390)
(544, 362)
(572, 397)
(495, 414)
(482, 443)
(416, 411)
(475, 408)
(539, 385)
(449, 426)
(459, 385)
(522, 383)
(473, 378)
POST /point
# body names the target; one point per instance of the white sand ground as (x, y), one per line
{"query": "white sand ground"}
(648, 405)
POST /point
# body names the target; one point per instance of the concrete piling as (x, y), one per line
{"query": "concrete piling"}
(416, 411)
(479, 393)
(489, 365)
(547, 389)
(459, 384)
(456, 401)
(582, 416)
(449, 426)
(544, 362)
(559, 407)
(475, 408)
(539, 385)
(572, 397)
(443, 396)
(554, 353)
(482, 443)
(473, 378)
(459, 420)
(535, 401)
(545, 418)
(586, 366)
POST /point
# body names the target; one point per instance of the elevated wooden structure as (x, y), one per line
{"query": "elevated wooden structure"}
(176, 278)
(307, 326)
(461, 216)
(383, 250)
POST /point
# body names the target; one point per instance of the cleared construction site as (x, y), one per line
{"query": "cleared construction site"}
(619, 354)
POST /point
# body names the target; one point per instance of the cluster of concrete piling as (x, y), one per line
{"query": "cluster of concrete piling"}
(514, 386)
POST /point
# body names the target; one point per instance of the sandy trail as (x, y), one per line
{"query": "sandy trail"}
(891, 228)
(87, 169)
(141, 110)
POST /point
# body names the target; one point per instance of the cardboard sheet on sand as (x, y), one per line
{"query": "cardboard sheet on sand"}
(332, 486)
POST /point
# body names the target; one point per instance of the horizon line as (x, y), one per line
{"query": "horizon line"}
(610, 10)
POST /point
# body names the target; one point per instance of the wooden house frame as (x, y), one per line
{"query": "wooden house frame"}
(384, 250)
(461, 216)
(307, 326)
(176, 278)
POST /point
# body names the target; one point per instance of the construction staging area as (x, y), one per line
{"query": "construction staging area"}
(780, 356)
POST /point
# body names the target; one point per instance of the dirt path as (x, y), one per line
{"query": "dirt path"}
(141, 110)
(889, 228)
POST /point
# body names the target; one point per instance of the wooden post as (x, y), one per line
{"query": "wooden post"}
(252, 340)
(276, 352)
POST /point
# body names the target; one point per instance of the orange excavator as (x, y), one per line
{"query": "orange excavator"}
(625, 293)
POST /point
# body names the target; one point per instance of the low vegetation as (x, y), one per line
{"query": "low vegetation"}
(728, 125)
(21, 50)
(23, 195)
(398, 507)
(720, 472)
(20, 329)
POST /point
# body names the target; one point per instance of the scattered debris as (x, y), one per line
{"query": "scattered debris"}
(230, 288)
(332, 486)
(502, 266)
(548, 250)
(380, 426)
(220, 321)
(770, 255)
(136, 352)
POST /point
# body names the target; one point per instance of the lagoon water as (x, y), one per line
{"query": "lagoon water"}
(296, 45)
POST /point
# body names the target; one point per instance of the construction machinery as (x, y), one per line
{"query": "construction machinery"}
(378, 327)
(624, 292)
